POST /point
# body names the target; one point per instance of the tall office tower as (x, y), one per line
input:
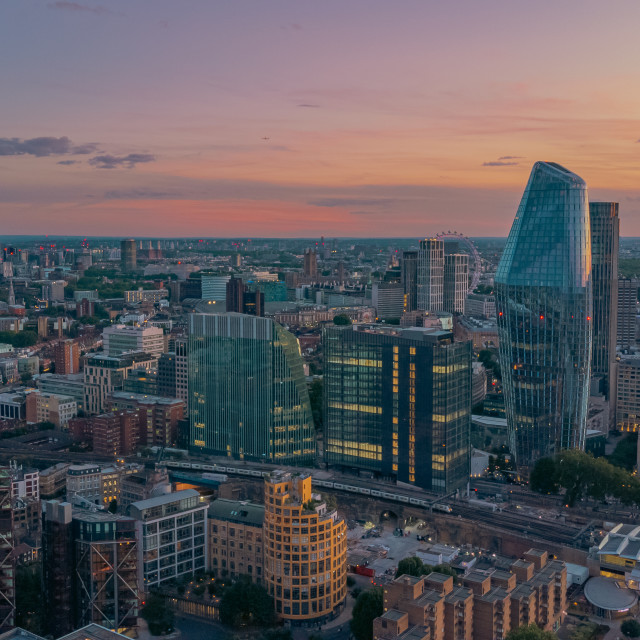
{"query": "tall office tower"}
(90, 568)
(7, 559)
(248, 397)
(397, 403)
(167, 375)
(67, 357)
(627, 311)
(235, 295)
(628, 391)
(128, 255)
(307, 579)
(182, 372)
(241, 300)
(605, 230)
(310, 269)
(543, 301)
(410, 279)
(430, 279)
(456, 282)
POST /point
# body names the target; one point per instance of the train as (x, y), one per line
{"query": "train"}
(317, 482)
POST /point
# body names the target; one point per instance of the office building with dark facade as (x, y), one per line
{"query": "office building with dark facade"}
(409, 277)
(605, 231)
(398, 404)
(544, 309)
(248, 396)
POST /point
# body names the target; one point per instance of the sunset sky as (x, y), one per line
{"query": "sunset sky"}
(301, 118)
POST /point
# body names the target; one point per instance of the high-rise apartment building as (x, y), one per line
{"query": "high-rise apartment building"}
(182, 371)
(543, 300)
(128, 256)
(310, 267)
(120, 338)
(172, 530)
(456, 282)
(430, 278)
(627, 311)
(90, 568)
(305, 550)
(248, 397)
(409, 278)
(67, 357)
(605, 231)
(397, 403)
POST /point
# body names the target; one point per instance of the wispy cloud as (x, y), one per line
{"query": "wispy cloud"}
(77, 7)
(69, 162)
(510, 157)
(307, 105)
(44, 146)
(499, 163)
(351, 202)
(128, 161)
(142, 194)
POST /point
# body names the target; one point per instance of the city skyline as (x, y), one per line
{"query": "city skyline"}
(292, 120)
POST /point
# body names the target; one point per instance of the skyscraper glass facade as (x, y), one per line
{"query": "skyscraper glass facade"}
(248, 397)
(605, 229)
(544, 309)
(398, 404)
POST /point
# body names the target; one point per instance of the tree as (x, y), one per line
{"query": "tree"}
(158, 617)
(367, 608)
(411, 566)
(530, 632)
(342, 320)
(245, 603)
(630, 628)
(113, 506)
(544, 477)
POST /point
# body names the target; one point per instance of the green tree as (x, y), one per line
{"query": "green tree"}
(630, 628)
(624, 455)
(113, 506)
(246, 604)
(411, 566)
(544, 476)
(158, 616)
(342, 320)
(530, 632)
(367, 608)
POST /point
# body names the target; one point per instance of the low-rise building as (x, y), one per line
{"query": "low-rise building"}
(235, 539)
(50, 407)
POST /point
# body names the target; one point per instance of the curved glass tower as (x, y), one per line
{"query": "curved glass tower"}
(543, 302)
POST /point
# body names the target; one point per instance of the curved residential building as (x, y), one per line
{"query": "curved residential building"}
(543, 303)
(305, 550)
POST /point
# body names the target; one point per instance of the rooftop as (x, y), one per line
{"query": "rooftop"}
(393, 614)
(608, 594)
(241, 512)
(167, 498)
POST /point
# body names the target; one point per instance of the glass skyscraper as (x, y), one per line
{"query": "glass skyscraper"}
(398, 404)
(605, 229)
(248, 397)
(544, 308)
